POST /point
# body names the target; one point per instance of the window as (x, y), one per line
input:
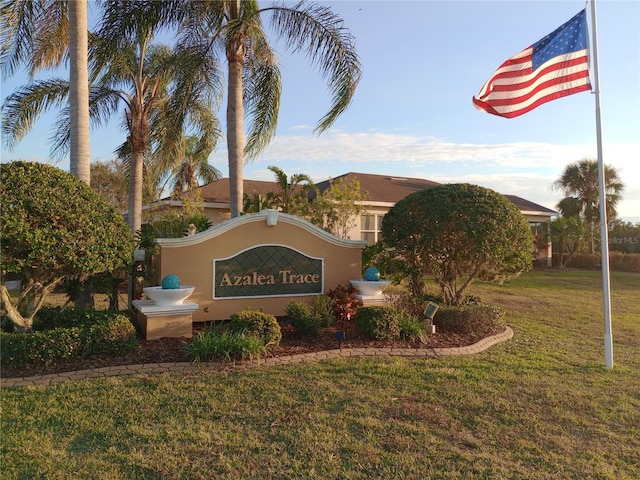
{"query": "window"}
(371, 227)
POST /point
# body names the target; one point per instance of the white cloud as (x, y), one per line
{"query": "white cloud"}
(526, 169)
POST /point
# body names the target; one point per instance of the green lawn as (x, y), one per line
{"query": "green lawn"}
(541, 406)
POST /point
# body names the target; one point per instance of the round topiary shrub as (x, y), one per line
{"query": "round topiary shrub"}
(378, 322)
(54, 227)
(258, 323)
(457, 233)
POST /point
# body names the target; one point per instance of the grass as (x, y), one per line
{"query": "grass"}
(541, 406)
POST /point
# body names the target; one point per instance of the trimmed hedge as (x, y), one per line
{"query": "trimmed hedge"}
(62, 335)
(477, 319)
(618, 261)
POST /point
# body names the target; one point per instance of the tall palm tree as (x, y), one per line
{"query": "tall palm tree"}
(580, 184)
(161, 94)
(233, 29)
(288, 186)
(39, 34)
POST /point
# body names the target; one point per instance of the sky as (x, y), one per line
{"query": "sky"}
(412, 114)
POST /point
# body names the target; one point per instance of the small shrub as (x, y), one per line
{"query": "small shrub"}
(256, 322)
(411, 327)
(308, 318)
(344, 302)
(302, 319)
(227, 345)
(378, 322)
(475, 319)
(322, 308)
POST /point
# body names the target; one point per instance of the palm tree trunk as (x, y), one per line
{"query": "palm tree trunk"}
(79, 91)
(134, 213)
(235, 136)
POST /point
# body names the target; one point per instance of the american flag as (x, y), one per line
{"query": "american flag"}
(552, 68)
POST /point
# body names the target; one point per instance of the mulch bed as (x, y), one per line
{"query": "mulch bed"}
(168, 350)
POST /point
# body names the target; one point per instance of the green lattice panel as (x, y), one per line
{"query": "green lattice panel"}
(268, 270)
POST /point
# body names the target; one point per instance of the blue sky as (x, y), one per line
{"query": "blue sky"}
(412, 114)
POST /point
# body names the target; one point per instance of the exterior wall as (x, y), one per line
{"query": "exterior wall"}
(191, 259)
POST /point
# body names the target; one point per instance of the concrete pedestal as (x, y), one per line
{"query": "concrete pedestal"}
(164, 321)
(368, 300)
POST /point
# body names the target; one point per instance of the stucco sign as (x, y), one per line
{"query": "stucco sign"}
(267, 270)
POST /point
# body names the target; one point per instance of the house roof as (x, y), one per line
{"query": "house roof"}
(378, 188)
(218, 190)
(382, 188)
(527, 206)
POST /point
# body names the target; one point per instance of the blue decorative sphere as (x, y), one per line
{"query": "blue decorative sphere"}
(372, 274)
(170, 282)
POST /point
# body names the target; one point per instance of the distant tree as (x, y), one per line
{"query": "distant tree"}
(191, 166)
(289, 187)
(624, 236)
(54, 226)
(257, 202)
(457, 233)
(109, 179)
(568, 233)
(335, 210)
(580, 184)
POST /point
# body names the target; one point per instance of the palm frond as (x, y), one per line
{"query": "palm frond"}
(319, 32)
(262, 93)
(32, 33)
(22, 108)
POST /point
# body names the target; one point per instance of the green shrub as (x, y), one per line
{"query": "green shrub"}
(49, 318)
(56, 227)
(256, 322)
(379, 322)
(66, 334)
(322, 308)
(302, 319)
(476, 319)
(411, 327)
(308, 318)
(227, 345)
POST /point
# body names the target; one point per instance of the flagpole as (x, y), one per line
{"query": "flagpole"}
(604, 230)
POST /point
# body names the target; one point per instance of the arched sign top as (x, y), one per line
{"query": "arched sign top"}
(262, 216)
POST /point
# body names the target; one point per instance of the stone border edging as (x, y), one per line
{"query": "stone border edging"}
(151, 368)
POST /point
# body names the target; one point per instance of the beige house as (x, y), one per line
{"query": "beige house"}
(381, 192)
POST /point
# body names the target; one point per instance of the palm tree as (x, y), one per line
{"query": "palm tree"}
(161, 94)
(580, 183)
(288, 186)
(38, 33)
(233, 29)
(193, 166)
